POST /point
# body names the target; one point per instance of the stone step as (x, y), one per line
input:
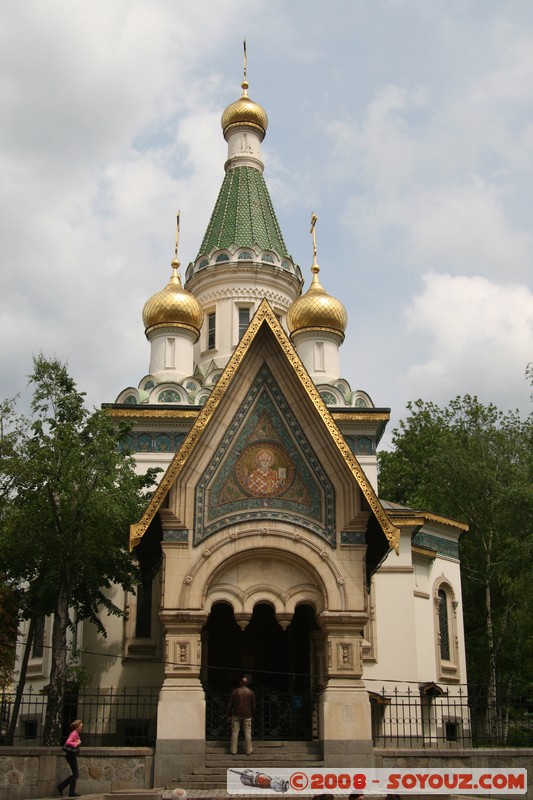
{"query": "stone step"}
(266, 756)
(133, 794)
(288, 746)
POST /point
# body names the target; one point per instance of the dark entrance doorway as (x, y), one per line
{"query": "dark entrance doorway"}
(277, 662)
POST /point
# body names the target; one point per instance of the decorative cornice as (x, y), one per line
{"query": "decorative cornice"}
(442, 547)
(223, 293)
(361, 416)
(144, 411)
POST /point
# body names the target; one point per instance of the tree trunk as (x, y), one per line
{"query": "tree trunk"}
(10, 736)
(493, 721)
(54, 709)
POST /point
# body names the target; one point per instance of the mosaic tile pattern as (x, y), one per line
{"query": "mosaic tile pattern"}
(181, 536)
(353, 537)
(243, 215)
(443, 546)
(306, 495)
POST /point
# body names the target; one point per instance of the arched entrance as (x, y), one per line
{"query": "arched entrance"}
(278, 661)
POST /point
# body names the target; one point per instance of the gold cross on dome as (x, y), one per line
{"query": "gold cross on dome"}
(314, 219)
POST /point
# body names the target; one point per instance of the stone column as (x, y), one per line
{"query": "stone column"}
(180, 745)
(344, 711)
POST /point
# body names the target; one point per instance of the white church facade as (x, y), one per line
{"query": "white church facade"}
(266, 550)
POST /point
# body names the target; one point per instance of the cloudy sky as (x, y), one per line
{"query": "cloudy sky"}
(406, 125)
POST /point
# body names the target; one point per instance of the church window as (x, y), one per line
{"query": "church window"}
(170, 353)
(203, 263)
(222, 257)
(168, 396)
(130, 400)
(149, 385)
(244, 321)
(268, 258)
(285, 264)
(360, 402)
(178, 440)
(446, 635)
(319, 357)
(143, 619)
(38, 638)
(444, 632)
(211, 331)
(245, 256)
(328, 398)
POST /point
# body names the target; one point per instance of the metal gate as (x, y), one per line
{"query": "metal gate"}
(279, 715)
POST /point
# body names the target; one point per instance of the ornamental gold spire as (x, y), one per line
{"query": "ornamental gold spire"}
(316, 309)
(244, 113)
(173, 305)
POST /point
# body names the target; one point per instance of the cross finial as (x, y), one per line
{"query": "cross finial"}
(314, 219)
(244, 46)
(177, 232)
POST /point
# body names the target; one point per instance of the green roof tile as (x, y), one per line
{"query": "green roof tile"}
(243, 215)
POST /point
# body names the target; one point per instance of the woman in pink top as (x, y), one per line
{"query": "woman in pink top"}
(71, 748)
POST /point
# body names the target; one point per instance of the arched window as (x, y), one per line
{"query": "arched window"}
(444, 628)
(446, 632)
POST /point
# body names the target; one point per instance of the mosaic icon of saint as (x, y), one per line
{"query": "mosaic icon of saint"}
(264, 480)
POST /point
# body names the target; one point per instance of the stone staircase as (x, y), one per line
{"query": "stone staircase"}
(218, 760)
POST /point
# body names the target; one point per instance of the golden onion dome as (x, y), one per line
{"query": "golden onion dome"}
(173, 305)
(244, 112)
(317, 309)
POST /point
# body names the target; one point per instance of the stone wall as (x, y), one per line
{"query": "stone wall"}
(475, 758)
(31, 772)
(27, 772)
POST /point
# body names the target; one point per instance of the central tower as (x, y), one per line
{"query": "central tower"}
(243, 258)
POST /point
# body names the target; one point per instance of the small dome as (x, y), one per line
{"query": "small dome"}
(173, 305)
(317, 309)
(244, 112)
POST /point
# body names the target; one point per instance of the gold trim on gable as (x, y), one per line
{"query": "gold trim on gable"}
(263, 314)
(131, 412)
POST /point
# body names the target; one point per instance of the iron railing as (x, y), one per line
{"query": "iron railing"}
(279, 715)
(451, 717)
(111, 718)
(427, 716)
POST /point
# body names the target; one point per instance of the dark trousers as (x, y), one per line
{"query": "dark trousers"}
(72, 761)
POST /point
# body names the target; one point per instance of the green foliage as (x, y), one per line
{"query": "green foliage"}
(71, 496)
(474, 463)
(8, 633)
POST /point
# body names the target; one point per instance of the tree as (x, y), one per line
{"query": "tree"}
(64, 529)
(8, 633)
(475, 463)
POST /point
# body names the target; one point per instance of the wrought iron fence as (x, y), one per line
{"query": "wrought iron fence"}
(279, 715)
(426, 716)
(111, 718)
(454, 717)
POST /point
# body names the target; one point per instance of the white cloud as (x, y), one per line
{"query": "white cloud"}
(411, 122)
(474, 334)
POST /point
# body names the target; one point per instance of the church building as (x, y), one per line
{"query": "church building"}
(266, 550)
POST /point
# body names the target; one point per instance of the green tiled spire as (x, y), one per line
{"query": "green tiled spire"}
(243, 215)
